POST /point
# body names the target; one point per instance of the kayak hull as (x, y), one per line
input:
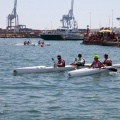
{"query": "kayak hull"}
(44, 69)
(90, 71)
(41, 69)
(21, 44)
(85, 72)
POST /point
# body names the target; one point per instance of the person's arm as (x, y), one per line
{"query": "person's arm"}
(111, 62)
(62, 64)
(59, 64)
(101, 64)
(91, 65)
(104, 62)
(75, 60)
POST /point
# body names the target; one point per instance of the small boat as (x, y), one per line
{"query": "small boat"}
(85, 72)
(42, 43)
(109, 43)
(63, 34)
(21, 44)
(43, 69)
(90, 71)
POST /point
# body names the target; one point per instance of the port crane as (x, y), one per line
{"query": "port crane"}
(118, 20)
(13, 16)
(68, 21)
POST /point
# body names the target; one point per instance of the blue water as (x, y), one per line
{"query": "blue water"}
(55, 96)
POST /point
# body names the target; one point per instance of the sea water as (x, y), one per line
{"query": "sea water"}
(55, 96)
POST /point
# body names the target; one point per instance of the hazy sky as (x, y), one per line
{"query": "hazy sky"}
(46, 14)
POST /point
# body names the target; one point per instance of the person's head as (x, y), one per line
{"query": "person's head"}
(59, 57)
(96, 57)
(105, 56)
(79, 55)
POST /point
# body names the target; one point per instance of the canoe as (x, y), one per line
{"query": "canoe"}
(90, 71)
(43, 69)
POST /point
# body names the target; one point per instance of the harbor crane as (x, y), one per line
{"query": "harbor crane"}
(118, 20)
(68, 21)
(13, 16)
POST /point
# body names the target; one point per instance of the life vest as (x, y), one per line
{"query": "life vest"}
(96, 64)
(61, 61)
(108, 62)
(81, 61)
(41, 45)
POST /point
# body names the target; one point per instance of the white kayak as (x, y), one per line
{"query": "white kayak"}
(45, 44)
(21, 44)
(90, 71)
(43, 69)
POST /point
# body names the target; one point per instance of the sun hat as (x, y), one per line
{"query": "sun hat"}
(95, 56)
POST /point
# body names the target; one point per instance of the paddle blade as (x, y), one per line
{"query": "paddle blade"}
(52, 59)
(72, 64)
(113, 69)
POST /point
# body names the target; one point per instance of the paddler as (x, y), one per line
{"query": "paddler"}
(96, 63)
(79, 61)
(60, 63)
(25, 42)
(107, 61)
(39, 42)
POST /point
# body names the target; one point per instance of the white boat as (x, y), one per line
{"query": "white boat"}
(43, 69)
(90, 71)
(45, 44)
(21, 44)
(68, 31)
(63, 34)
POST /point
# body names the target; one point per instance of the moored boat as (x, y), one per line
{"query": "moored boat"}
(52, 37)
(68, 31)
(109, 43)
(63, 34)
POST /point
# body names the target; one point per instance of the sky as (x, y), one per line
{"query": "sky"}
(46, 14)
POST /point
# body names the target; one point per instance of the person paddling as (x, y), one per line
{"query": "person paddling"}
(96, 63)
(79, 62)
(107, 61)
(60, 63)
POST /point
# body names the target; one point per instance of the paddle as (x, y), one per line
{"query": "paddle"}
(73, 64)
(54, 62)
(113, 69)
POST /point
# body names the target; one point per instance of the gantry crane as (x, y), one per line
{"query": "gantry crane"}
(118, 20)
(68, 21)
(11, 17)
